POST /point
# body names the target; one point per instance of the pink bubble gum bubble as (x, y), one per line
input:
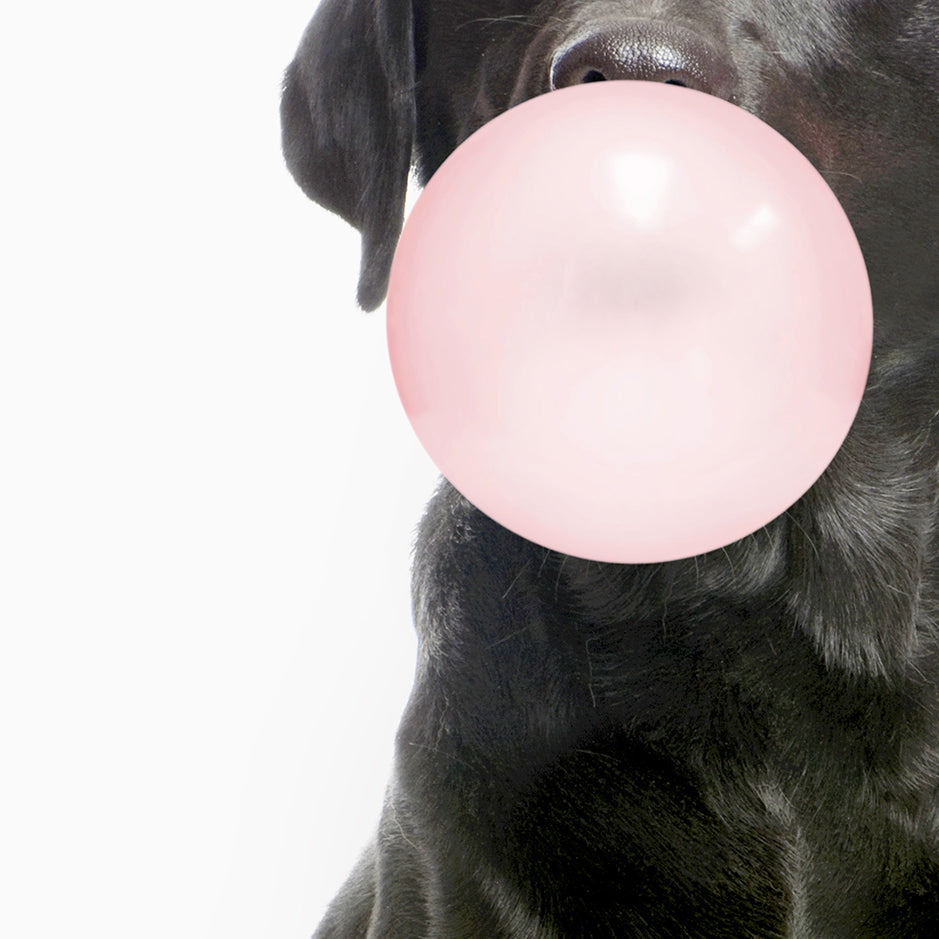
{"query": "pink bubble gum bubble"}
(629, 321)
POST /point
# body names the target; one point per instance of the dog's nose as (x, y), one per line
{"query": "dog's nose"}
(647, 50)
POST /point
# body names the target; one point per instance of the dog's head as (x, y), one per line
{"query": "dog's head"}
(380, 85)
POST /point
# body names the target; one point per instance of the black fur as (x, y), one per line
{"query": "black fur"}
(742, 744)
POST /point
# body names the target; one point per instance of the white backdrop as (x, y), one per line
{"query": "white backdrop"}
(207, 489)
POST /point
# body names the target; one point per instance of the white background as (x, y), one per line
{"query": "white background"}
(207, 489)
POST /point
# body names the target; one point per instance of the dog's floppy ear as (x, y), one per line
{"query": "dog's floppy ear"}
(347, 118)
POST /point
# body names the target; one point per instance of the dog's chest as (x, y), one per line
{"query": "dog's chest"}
(622, 832)
(685, 768)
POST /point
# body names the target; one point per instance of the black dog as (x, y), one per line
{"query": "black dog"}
(742, 744)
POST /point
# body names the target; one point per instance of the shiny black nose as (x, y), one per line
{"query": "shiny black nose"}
(646, 50)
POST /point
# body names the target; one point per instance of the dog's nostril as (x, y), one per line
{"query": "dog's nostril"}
(646, 50)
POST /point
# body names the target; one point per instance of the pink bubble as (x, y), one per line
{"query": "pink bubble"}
(629, 321)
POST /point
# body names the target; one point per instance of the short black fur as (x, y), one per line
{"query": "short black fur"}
(741, 744)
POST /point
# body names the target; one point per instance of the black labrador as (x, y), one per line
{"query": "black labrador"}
(741, 744)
